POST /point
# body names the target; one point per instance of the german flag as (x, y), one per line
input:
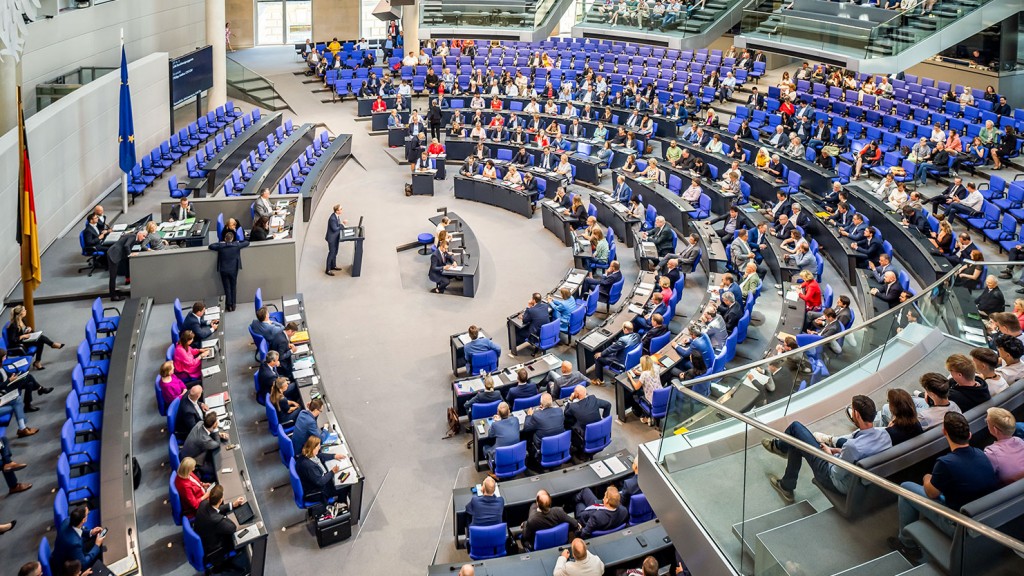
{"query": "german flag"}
(28, 233)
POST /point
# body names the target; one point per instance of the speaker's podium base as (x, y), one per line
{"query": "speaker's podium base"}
(423, 183)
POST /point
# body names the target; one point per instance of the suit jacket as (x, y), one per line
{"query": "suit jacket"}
(879, 272)
(524, 390)
(689, 254)
(200, 444)
(334, 229)
(279, 343)
(215, 529)
(622, 192)
(870, 250)
(505, 432)
(597, 518)
(229, 255)
(673, 276)
(559, 381)
(801, 220)
(305, 426)
(483, 397)
(544, 423)
(783, 232)
(662, 239)
(438, 260)
(262, 207)
(739, 250)
(617, 351)
(536, 316)
(890, 294)
(479, 345)
(200, 327)
(185, 420)
(732, 316)
(266, 377)
(267, 329)
(91, 238)
(310, 475)
(856, 232)
(650, 335)
(178, 214)
(485, 510)
(70, 546)
(586, 411)
(701, 344)
(606, 282)
(830, 329)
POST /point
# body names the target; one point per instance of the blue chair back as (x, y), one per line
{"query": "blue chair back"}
(297, 491)
(173, 453)
(193, 547)
(597, 533)
(640, 510)
(592, 300)
(220, 227)
(659, 342)
(524, 403)
(478, 410)
(598, 435)
(44, 555)
(660, 400)
(615, 292)
(509, 461)
(487, 541)
(633, 357)
(549, 335)
(161, 405)
(285, 448)
(577, 319)
(486, 361)
(273, 423)
(172, 415)
(552, 537)
(174, 498)
(554, 450)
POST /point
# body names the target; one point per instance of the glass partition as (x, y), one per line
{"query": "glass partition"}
(684, 19)
(256, 87)
(806, 32)
(712, 455)
(486, 14)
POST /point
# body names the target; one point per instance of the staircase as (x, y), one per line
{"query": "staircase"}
(880, 47)
(517, 21)
(245, 84)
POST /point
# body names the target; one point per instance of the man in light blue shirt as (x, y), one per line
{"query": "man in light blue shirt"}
(866, 441)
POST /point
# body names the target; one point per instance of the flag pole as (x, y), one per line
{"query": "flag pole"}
(27, 287)
(124, 175)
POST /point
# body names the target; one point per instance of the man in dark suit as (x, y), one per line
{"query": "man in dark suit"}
(190, 411)
(229, 262)
(783, 227)
(536, 314)
(755, 100)
(486, 509)
(216, 531)
(478, 344)
(306, 426)
(92, 235)
(645, 320)
(661, 235)
(268, 375)
(281, 343)
(658, 328)
(798, 217)
(699, 342)
(440, 260)
(117, 260)
(884, 265)
(183, 211)
(548, 420)
(596, 516)
(485, 396)
(955, 190)
(203, 445)
(916, 217)
(566, 377)
(547, 161)
(855, 232)
(583, 410)
(616, 353)
(604, 283)
(504, 430)
(75, 542)
(732, 313)
(524, 388)
(201, 328)
(843, 218)
(672, 271)
(890, 290)
(335, 226)
(869, 249)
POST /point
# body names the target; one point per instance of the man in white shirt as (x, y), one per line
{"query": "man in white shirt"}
(969, 206)
(409, 60)
(586, 564)
(1010, 351)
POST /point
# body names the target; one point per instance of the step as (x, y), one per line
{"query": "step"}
(824, 543)
(891, 564)
(773, 519)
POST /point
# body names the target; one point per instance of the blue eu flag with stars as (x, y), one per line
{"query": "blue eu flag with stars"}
(126, 127)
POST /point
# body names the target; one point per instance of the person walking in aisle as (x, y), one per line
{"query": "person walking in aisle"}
(229, 262)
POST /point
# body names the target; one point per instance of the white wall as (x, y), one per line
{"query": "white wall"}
(73, 151)
(92, 37)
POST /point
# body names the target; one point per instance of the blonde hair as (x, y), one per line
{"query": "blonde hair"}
(646, 364)
(1002, 420)
(664, 282)
(166, 369)
(311, 447)
(186, 467)
(806, 275)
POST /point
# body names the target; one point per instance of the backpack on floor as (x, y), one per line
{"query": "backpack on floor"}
(453, 423)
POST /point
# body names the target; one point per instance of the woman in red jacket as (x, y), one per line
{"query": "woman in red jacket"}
(810, 292)
(190, 488)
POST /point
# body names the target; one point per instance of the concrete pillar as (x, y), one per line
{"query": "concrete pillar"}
(411, 29)
(215, 20)
(9, 76)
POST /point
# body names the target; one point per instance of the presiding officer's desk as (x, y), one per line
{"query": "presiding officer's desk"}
(669, 205)
(466, 388)
(310, 381)
(494, 192)
(222, 163)
(558, 222)
(466, 249)
(517, 336)
(326, 167)
(521, 493)
(602, 336)
(276, 165)
(117, 489)
(618, 551)
(615, 215)
(232, 472)
(458, 342)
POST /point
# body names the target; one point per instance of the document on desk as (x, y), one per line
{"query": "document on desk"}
(471, 385)
(576, 277)
(303, 363)
(593, 339)
(212, 310)
(455, 269)
(793, 295)
(646, 286)
(615, 465)
(211, 317)
(636, 308)
(300, 374)
(648, 246)
(126, 565)
(291, 302)
(211, 371)
(600, 469)
(464, 338)
(301, 350)
(552, 361)
(123, 227)
(217, 400)
(293, 317)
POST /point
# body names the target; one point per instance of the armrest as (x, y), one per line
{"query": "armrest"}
(115, 310)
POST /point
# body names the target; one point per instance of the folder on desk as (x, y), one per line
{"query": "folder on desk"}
(301, 350)
(211, 371)
(121, 227)
(600, 469)
(212, 310)
(615, 465)
(217, 400)
(299, 374)
(301, 336)
(464, 338)
(576, 277)
(291, 302)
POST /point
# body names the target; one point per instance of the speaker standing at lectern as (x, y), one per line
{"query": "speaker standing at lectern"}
(335, 226)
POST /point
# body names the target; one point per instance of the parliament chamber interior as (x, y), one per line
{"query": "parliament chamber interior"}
(806, 360)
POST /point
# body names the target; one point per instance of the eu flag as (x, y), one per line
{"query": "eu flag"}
(126, 127)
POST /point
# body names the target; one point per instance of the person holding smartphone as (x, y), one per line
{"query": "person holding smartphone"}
(76, 542)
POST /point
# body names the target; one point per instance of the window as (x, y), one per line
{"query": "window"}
(283, 21)
(371, 27)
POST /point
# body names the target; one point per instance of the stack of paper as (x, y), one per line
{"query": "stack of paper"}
(600, 469)
(291, 302)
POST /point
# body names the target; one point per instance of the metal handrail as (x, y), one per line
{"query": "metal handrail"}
(948, 513)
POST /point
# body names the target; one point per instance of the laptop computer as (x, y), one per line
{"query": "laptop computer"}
(244, 514)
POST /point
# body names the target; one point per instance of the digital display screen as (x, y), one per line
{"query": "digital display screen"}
(191, 74)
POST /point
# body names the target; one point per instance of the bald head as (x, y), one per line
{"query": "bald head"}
(579, 549)
(467, 570)
(566, 367)
(488, 486)
(545, 402)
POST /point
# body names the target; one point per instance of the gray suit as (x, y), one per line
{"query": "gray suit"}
(740, 252)
(263, 208)
(202, 446)
(556, 381)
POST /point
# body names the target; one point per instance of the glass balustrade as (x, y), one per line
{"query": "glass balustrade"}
(712, 455)
(519, 16)
(676, 19)
(260, 90)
